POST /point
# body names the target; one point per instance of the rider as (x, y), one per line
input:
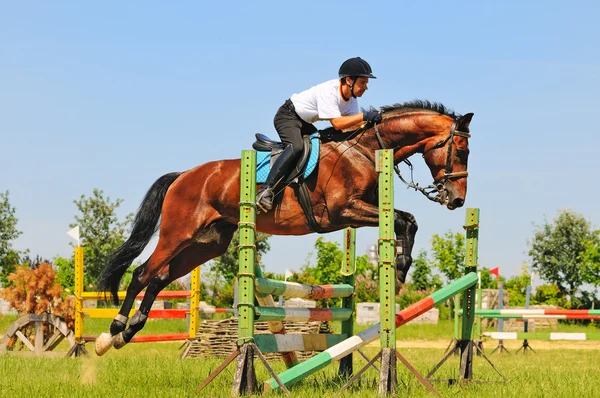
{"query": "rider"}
(334, 100)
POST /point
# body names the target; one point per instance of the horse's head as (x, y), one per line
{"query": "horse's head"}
(447, 154)
(440, 135)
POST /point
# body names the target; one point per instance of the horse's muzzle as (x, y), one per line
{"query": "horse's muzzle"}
(455, 203)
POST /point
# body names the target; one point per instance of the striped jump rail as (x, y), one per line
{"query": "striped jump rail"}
(165, 295)
(335, 353)
(293, 289)
(542, 336)
(539, 314)
(151, 338)
(154, 314)
(302, 314)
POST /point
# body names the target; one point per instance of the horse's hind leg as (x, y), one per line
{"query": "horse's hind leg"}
(164, 252)
(135, 287)
(138, 321)
(190, 258)
(405, 227)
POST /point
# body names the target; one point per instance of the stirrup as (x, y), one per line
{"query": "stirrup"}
(264, 199)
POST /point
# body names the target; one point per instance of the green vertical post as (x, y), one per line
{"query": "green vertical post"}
(468, 305)
(247, 247)
(478, 331)
(456, 318)
(387, 242)
(348, 270)
(387, 272)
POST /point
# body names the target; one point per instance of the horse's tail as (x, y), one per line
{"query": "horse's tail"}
(145, 225)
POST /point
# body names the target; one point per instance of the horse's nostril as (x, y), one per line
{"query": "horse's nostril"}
(458, 202)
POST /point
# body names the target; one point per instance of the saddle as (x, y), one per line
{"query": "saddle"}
(269, 149)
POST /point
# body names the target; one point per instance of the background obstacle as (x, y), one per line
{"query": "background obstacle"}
(554, 336)
(518, 313)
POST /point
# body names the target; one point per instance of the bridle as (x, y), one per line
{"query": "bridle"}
(436, 192)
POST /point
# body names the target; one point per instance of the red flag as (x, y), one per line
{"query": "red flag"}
(495, 272)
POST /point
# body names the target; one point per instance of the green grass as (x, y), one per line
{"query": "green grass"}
(155, 370)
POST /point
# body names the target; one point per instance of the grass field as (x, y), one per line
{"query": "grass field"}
(559, 369)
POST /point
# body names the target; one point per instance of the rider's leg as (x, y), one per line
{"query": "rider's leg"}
(279, 169)
(290, 128)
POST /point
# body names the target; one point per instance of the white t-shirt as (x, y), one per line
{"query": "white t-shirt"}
(322, 102)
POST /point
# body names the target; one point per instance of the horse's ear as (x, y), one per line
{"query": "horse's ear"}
(462, 124)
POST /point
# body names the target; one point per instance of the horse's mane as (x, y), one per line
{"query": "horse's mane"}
(330, 134)
(419, 105)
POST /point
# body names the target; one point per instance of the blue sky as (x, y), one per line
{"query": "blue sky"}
(114, 94)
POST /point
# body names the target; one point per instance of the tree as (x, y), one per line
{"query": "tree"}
(487, 281)
(101, 231)
(448, 252)
(328, 267)
(517, 287)
(227, 265)
(9, 257)
(66, 273)
(558, 250)
(329, 263)
(591, 260)
(548, 294)
(422, 278)
(8, 265)
(222, 271)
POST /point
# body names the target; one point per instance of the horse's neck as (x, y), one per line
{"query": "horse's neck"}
(405, 143)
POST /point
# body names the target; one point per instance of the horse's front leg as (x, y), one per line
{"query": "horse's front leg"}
(405, 227)
(359, 213)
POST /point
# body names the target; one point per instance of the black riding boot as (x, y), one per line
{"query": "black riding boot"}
(281, 167)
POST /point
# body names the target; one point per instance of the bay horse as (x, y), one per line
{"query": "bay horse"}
(198, 209)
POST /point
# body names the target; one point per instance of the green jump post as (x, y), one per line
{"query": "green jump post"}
(247, 248)
(387, 272)
(245, 378)
(348, 270)
(468, 304)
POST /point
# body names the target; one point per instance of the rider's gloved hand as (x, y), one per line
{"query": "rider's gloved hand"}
(372, 116)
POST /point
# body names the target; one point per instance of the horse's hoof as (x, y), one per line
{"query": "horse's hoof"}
(119, 341)
(103, 343)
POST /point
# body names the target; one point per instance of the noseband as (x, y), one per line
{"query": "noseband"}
(436, 192)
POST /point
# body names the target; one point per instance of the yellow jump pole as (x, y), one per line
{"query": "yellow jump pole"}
(79, 347)
(194, 302)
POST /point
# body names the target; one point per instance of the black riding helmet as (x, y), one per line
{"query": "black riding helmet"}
(354, 68)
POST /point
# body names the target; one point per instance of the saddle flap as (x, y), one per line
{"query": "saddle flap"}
(307, 147)
(265, 144)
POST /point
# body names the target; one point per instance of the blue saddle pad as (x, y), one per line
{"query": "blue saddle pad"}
(263, 160)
